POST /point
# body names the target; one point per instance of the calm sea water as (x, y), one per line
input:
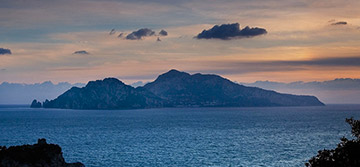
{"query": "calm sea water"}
(276, 136)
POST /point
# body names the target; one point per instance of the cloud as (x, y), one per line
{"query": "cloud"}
(112, 31)
(337, 61)
(139, 34)
(230, 31)
(71, 69)
(4, 51)
(323, 62)
(81, 52)
(336, 84)
(339, 23)
(243, 67)
(163, 33)
(121, 35)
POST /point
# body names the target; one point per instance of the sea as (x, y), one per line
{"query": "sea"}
(180, 137)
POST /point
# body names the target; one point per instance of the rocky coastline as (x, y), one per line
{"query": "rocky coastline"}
(39, 154)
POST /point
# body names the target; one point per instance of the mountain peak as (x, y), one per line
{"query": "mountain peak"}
(106, 81)
(173, 73)
(111, 80)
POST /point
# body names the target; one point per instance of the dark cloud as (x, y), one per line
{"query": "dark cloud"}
(163, 33)
(339, 23)
(139, 34)
(230, 31)
(121, 35)
(112, 32)
(341, 61)
(81, 52)
(242, 67)
(324, 62)
(4, 51)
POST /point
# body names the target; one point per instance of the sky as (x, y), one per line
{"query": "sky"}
(245, 41)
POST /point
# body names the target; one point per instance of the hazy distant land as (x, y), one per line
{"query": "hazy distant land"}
(18, 93)
(337, 91)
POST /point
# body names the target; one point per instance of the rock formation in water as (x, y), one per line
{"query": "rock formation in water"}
(35, 104)
(40, 154)
(174, 89)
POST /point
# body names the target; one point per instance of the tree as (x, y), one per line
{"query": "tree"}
(346, 154)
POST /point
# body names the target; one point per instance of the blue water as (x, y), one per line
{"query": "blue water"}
(276, 136)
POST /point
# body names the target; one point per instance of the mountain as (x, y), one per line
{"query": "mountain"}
(174, 89)
(137, 84)
(17, 93)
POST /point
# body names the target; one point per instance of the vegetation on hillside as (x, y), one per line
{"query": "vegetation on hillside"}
(346, 154)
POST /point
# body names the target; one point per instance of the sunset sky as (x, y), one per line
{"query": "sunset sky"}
(78, 41)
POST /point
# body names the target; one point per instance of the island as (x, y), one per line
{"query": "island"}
(173, 89)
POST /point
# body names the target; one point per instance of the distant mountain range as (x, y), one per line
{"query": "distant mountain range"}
(336, 84)
(173, 89)
(16, 93)
(337, 91)
(340, 91)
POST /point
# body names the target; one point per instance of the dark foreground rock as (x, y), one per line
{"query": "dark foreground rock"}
(37, 155)
(174, 89)
(346, 154)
